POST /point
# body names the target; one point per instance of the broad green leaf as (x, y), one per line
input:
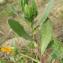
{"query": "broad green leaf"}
(47, 11)
(46, 35)
(57, 47)
(18, 29)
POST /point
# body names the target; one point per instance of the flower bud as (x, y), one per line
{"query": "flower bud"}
(30, 11)
(23, 2)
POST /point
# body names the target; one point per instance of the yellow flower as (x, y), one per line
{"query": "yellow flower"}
(6, 49)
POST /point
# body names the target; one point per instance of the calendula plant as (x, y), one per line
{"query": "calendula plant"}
(30, 12)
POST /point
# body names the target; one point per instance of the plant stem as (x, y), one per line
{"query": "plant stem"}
(30, 58)
(32, 29)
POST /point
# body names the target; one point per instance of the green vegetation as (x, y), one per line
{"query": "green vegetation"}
(34, 51)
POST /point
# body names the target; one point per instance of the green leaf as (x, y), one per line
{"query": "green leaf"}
(47, 11)
(57, 47)
(2, 61)
(62, 60)
(34, 8)
(46, 35)
(18, 29)
(23, 2)
(28, 12)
